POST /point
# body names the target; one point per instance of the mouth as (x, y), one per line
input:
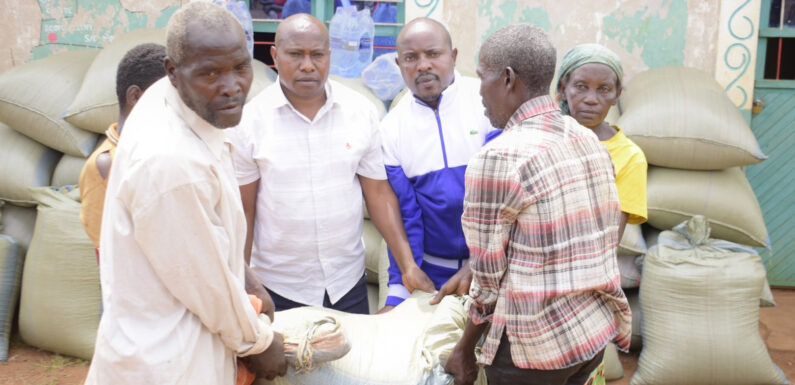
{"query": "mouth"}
(425, 79)
(307, 81)
(233, 107)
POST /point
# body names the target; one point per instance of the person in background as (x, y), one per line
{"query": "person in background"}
(173, 231)
(428, 139)
(541, 217)
(139, 68)
(589, 85)
(307, 150)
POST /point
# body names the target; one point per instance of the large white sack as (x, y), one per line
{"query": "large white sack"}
(34, 96)
(724, 197)
(60, 302)
(374, 249)
(24, 163)
(700, 303)
(10, 273)
(67, 172)
(401, 347)
(96, 105)
(682, 118)
(18, 223)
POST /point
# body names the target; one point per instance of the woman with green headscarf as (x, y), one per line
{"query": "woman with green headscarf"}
(589, 85)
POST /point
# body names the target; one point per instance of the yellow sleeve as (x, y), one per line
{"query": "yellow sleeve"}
(631, 185)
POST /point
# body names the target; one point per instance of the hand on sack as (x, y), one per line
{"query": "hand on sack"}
(415, 278)
(271, 363)
(462, 365)
(458, 284)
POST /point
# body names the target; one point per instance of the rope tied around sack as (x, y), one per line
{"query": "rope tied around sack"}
(304, 353)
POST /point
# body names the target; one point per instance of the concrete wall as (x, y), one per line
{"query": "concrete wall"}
(644, 33)
(32, 29)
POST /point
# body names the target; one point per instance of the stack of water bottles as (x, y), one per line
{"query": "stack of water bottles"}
(351, 32)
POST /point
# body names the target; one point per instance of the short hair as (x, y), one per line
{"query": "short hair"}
(441, 26)
(525, 48)
(210, 16)
(141, 66)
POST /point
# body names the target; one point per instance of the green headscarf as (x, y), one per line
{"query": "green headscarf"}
(584, 54)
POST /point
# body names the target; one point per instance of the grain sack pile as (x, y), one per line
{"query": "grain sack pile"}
(403, 347)
(700, 303)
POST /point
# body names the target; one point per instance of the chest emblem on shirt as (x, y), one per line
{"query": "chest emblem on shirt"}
(347, 146)
(473, 132)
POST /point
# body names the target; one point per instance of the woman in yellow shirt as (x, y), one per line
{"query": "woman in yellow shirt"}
(589, 84)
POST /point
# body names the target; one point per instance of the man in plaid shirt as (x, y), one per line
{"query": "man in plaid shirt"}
(541, 216)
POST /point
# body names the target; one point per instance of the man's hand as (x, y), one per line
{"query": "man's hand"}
(414, 278)
(458, 284)
(462, 365)
(271, 363)
(255, 288)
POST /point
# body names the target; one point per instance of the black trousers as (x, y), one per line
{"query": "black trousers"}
(354, 301)
(502, 371)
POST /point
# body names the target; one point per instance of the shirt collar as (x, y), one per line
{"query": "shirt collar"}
(536, 106)
(278, 99)
(212, 136)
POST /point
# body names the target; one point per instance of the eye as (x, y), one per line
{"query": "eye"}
(580, 87)
(409, 58)
(318, 55)
(433, 54)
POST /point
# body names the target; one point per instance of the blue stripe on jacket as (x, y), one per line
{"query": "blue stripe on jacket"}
(431, 206)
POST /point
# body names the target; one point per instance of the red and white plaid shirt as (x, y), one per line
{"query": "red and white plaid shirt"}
(541, 217)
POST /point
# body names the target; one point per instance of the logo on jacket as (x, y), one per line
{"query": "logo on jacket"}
(473, 132)
(347, 146)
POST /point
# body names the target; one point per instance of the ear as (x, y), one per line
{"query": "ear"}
(510, 78)
(171, 69)
(275, 56)
(455, 55)
(133, 94)
(618, 93)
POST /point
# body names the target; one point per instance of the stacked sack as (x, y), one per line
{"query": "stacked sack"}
(695, 141)
(52, 114)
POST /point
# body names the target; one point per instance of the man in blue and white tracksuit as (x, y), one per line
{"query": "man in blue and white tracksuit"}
(428, 138)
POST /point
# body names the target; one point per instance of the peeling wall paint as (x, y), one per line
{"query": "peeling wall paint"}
(644, 34)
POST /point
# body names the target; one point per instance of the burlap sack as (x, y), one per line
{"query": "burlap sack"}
(24, 163)
(96, 106)
(632, 242)
(700, 303)
(67, 172)
(34, 96)
(60, 302)
(682, 118)
(724, 197)
(18, 223)
(10, 274)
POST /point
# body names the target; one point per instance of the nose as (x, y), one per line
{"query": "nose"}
(424, 64)
(306, 64)
(591, 97)
(231, 84)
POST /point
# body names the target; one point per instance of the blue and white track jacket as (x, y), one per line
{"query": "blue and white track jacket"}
(426, 152)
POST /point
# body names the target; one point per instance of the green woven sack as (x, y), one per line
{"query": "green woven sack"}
(25, 163)
(724, 197)
(60, 302)
(34, 96)
(10, 273)
(682, 118)
(700, 303)
(96, 106)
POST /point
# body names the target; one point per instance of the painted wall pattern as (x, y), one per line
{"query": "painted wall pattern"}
(737, 44)
(32, 29)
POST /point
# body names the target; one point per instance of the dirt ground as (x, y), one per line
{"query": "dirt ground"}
(30, 366)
